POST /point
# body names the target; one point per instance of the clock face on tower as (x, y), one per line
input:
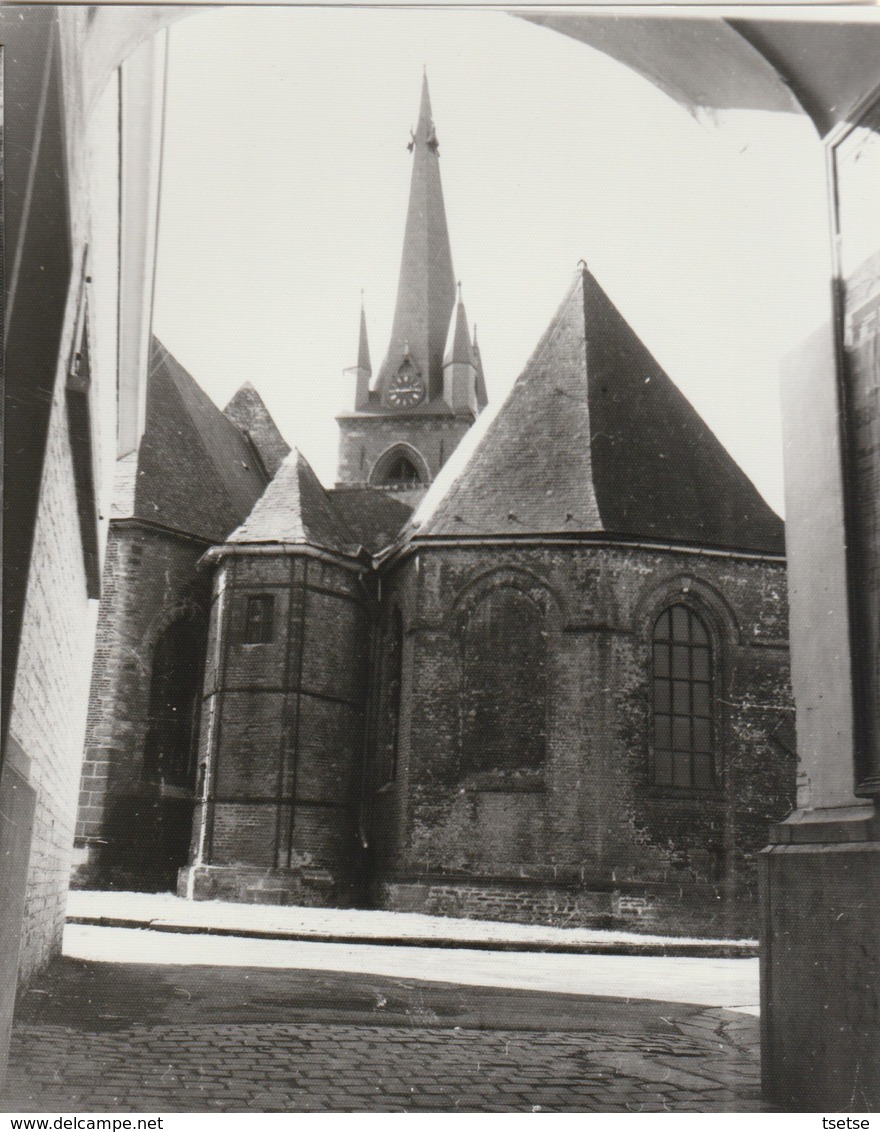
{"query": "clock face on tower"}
(405, 389)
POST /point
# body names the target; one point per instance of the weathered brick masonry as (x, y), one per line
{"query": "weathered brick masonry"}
(365, 439)
(521, 841)
(282, 734)
(48, 716)
(196, 475)
(556, 692)
(132, 828)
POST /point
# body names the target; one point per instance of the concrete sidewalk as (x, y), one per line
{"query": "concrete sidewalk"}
(164, 912)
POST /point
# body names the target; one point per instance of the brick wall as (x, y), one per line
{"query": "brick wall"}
(363, 440)
(590, 817)
(48, 714)
(282, 735)
(150, 582)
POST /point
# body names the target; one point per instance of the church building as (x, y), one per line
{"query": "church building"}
(551, 685)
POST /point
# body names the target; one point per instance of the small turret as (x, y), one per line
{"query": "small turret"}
(363, 371)
(482, 396)
(459, 368)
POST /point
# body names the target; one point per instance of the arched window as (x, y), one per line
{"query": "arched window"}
(175, 699)
(400, 467)
(402, 472)
(684, 701)
(504, 687)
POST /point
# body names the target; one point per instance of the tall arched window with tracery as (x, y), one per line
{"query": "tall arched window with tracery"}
(504, 686)
(684, 706)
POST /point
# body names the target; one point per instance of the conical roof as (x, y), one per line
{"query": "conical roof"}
(364, 345)
(458, 343)
(594, 438)
(482, 397)
(426, 288)
(196, 472)
(295, 510)
(248, 412)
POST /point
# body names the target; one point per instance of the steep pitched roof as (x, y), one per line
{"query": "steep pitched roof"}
(248, 412)
(426, 288)
(375, 517)
(196, 472)
(595, 437)
(296, 510)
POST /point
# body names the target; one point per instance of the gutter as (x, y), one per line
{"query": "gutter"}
(423, 542)
(359, 562)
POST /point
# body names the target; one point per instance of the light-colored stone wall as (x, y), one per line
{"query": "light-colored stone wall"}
(51, 694)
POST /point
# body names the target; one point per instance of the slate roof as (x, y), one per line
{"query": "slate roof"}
(375, 517)
(196, 472)
(296, 510)
(248, 412)
(595, 438)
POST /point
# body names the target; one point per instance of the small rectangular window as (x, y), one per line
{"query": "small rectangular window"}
(258, 621)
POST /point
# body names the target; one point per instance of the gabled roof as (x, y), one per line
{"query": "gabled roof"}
(248, 412)
(595, 438)
(296, 510)
(196, 472)
(374, 516)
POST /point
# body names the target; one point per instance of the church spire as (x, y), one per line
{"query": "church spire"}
(482, 398)
(426, 288)
(363, 371)
(459, 369)
(363, 344)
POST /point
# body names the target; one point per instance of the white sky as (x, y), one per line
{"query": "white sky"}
(286, 179)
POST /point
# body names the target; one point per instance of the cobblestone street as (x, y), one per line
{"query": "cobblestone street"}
(133, 1037)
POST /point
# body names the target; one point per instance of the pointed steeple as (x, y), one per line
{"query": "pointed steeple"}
(363, 370)
(458, 344)
(363, 344)
(482, 396)
(426, 288)
(459, 371)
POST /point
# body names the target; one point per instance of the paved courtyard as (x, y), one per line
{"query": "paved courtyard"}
(109, 1036)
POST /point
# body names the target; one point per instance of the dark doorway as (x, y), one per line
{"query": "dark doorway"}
(171, 749)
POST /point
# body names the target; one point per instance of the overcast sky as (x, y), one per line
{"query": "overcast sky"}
(286, 177)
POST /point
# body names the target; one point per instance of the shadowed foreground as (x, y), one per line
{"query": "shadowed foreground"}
(109, 1037)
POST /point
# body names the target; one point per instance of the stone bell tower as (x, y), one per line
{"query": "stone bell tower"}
(430, 388)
